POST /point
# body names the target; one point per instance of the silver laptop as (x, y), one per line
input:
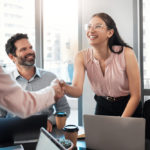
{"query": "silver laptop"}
(48, 142)
(114, 133)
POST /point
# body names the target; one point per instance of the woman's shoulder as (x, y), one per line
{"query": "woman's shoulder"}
(128, 52)
(86, 52)
(123, 56)
(126, 49)
(79, 56)
(84, 55)
(130, 57)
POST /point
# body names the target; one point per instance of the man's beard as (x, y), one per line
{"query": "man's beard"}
(25, 62)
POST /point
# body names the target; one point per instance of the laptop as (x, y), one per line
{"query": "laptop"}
(48, 142)
(17, 130)
(114, 132)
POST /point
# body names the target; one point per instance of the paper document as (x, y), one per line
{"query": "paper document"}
(81, 132)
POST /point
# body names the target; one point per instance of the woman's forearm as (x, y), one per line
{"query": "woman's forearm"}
(73, 91)
(131, 107)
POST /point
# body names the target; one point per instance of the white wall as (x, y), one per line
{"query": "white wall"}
(122, 13)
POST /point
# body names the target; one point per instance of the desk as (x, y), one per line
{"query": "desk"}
(80, 143)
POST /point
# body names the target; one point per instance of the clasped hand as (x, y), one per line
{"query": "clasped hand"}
(59, 89)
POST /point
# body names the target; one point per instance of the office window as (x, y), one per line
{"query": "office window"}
(60, 25)
(146, 98)
(60, 34)
(15, 18)
(146, 44)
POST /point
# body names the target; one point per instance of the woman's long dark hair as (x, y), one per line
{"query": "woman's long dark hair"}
(115, 39)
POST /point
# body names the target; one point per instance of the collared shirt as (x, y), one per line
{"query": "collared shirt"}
(40, 80)
(16, 100)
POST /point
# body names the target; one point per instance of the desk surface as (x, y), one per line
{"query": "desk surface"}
(80, 142)
(81, 145)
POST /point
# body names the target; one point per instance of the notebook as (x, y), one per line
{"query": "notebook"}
(114, 133)
(48, 142)
(17, 130)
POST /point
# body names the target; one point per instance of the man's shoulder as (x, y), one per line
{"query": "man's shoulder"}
(43, 71)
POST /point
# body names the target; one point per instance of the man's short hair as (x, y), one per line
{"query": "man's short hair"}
(10, 45)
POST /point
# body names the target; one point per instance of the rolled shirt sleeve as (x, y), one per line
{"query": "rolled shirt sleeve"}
(23, 103)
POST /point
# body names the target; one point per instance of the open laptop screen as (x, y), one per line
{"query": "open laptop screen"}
(47, 141)
(114, 132)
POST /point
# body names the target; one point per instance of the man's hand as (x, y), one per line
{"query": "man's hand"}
(59, 92)
(63, 86)
(49, 126)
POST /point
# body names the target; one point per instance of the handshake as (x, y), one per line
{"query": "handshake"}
(59, 87)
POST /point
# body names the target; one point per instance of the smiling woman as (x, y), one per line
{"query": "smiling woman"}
(112, 70)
